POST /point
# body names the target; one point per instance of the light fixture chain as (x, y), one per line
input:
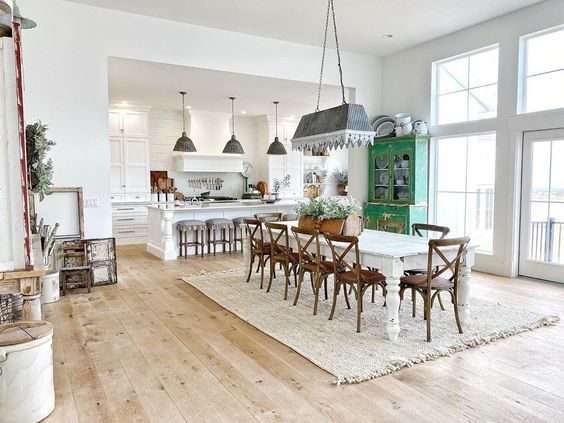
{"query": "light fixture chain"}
(276, 118)
(323, 54)
(338, 52)
(183, 115)
(232, 116)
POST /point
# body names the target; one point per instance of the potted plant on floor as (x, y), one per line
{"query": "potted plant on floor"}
(342, 178)
(329, 215)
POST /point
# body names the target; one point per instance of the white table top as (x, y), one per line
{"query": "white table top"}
(389, 244)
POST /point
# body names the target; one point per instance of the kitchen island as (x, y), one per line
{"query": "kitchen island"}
(163, 237)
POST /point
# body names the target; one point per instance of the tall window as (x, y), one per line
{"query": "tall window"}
(543, 82)
(464, 186)
(466, 87)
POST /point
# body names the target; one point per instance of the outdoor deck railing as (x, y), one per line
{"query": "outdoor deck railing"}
(546, 241)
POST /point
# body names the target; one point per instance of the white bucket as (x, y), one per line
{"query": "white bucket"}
(31, 309)
(50, 288)
(27, 392)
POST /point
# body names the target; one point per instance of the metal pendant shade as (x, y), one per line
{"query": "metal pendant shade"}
(184, 144)
(276, 148)
(346, 125)
(233, 146)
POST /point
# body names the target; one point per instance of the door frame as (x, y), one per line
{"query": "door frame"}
(525, 267)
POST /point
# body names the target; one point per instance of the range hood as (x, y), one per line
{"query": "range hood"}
(209, 131)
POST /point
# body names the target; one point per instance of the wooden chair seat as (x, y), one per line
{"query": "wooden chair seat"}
(420, 281)
(365, 276)
(293, 257)
(326, 267)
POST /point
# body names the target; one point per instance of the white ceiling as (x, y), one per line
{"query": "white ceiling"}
(361, 23)
(157, 85)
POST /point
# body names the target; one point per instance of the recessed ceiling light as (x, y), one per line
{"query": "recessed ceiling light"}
(188, 107)
(388, 36)
(124, 103)
(244, 112)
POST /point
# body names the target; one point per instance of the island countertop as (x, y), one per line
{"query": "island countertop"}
(220, 205)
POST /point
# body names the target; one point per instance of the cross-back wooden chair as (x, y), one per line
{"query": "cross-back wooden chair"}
(431, 284)
(269, 217)
(386, 225)
(423, 230)
(280, 252)
(258, 248)
(313, 263)
(351, 273)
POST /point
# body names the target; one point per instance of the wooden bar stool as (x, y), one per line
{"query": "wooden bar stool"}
(223, 225)
(186, 227)
(238, 228)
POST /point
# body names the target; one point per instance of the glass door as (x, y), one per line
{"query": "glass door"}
(541, 253)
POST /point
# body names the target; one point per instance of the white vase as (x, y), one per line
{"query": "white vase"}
(170, 197)
(154, 197)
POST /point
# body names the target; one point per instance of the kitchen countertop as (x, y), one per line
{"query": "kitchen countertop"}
(219, 205)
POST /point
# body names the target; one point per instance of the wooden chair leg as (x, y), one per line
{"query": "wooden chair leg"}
(456, 316)
(253, 255)
(214, 242)
(287, 271)
(298, 289)
(441, 301)
(336, 289)
(413, 302)
(317, 285)
(272, 264)
(373, 292)
(428, 315)
(203, 234)
(325, 288)
(262, 264)
(358, 307)
(180, 243)
(346, 296)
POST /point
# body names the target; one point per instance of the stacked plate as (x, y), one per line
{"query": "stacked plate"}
(383, 125)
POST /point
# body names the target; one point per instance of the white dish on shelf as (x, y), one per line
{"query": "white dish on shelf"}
(384, 177)
(381, 163)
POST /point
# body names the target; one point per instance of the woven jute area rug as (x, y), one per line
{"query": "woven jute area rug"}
(334, 344)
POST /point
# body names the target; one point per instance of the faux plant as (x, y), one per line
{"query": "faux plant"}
(40, 169)
(278, 184)
(341, 176)
(328, 208)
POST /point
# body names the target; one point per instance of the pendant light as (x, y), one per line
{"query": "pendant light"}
(233, 146)
(342, 126)
(276, 147)
(184, 144)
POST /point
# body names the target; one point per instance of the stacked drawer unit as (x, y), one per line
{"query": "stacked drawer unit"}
(129, 223)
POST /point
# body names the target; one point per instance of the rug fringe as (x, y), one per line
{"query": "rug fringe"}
(443, 352)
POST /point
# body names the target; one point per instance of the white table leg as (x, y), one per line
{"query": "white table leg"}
(393, 270)
(463, 293)
(246, 246)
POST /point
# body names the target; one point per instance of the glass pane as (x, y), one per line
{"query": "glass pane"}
(482, 103)
(545, 91)
(540, 171)
(451, 164)
(557, 172)
(545, 53)
(453, 107)
(453, 76)
(479, 218)
(450, 212)
(481, 163)
(483, 68)
(537, 231)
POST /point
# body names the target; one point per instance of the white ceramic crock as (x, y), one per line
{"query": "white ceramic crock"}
(50, 288)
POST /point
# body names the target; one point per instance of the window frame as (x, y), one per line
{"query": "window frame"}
(435, 86)
(433, 185)
(523, 69)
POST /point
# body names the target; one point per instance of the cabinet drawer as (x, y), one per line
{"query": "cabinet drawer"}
(138, 197)
(129, 209)
(130, 232)
(129, 220)
(117, 198)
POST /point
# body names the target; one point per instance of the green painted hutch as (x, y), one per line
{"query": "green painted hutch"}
(397, 187)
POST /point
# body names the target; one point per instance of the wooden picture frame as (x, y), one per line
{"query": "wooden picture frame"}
(55, 209)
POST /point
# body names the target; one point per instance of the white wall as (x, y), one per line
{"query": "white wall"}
(66, 77)
(166, 126)
(406, 87)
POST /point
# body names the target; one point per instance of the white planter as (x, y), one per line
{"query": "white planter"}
(50, 288)
(26, 381)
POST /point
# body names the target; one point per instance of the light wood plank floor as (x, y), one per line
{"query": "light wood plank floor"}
(152, 348)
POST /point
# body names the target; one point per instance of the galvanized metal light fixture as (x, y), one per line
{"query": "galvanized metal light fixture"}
(346, 125)
(184, 144)
(276, 147)
(233, 146)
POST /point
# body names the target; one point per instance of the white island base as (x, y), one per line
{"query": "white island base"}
(163, 236)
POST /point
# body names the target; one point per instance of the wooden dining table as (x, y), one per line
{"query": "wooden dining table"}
(392, 254)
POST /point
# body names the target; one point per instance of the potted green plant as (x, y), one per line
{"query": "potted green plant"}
(342, 178)
(327, 214)
(39, 168)
(278, 184)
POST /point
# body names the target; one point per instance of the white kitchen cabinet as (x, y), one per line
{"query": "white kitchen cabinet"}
(128, 123)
